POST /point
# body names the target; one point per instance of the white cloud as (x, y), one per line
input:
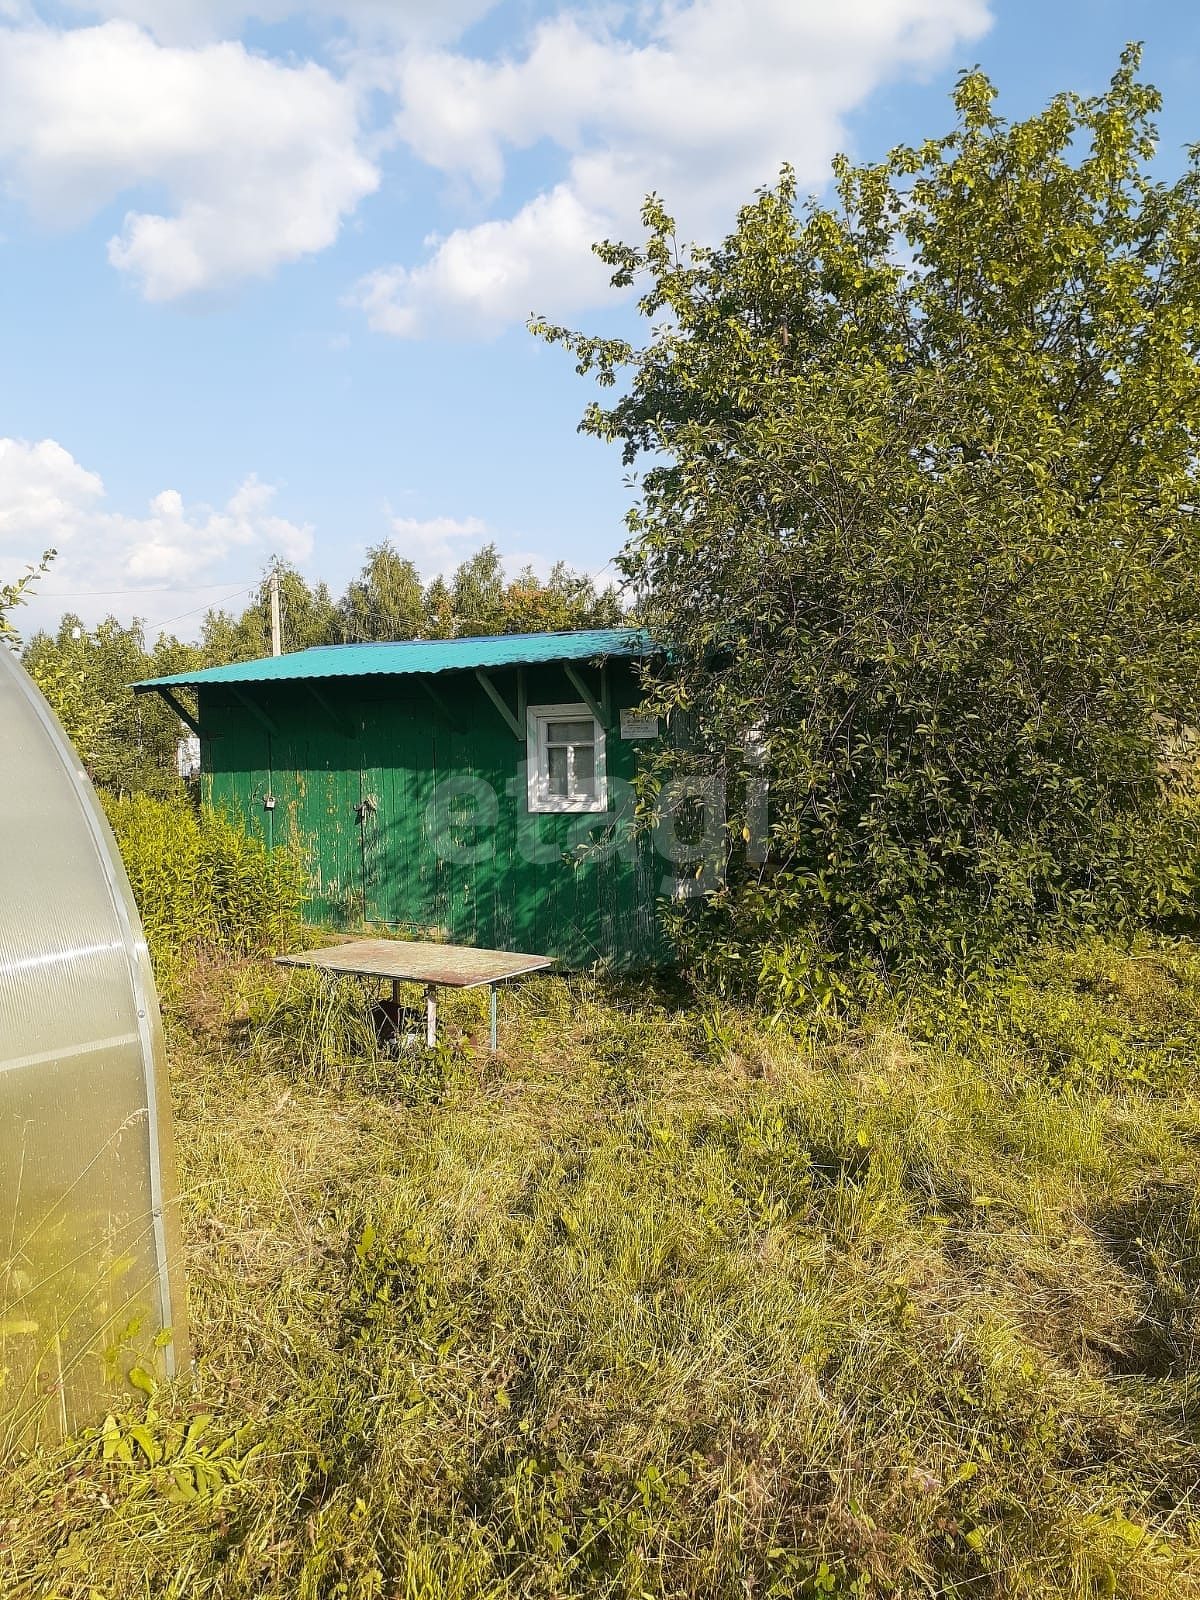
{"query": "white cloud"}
(198, 21)
(44, 492)
(235, 162)
(496, 272)
(174, 561)
(259, 161)
(172, 553)
(173, 545)
(438, 543)
(703, 106)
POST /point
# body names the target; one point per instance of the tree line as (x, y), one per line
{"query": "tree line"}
(129, 742)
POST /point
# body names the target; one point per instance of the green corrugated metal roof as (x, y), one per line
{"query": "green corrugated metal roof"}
(418, 655)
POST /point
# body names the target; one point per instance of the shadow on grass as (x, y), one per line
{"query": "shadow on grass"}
(1154, 1237)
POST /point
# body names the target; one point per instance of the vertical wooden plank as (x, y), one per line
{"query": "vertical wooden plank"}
(288, 781)
(389, 844)
(374, 800)
(409, 733)
(243, 779)
(397, 778)
(324, 807)
(366, 811)
(459, 875)
(421, 778)
(506, 867)
(438, 868)
(338, 793)
(404, 760)
(388, 753)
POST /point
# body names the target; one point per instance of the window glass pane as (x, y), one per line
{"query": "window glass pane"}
(557, 774)
(570, 732)
(585, 769)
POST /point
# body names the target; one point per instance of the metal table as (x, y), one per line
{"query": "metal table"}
(436, 966)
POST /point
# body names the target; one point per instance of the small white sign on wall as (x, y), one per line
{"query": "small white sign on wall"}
(636, 726)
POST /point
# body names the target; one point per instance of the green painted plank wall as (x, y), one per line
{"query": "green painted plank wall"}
(416, 816)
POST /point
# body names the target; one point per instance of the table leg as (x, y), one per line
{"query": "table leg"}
(396, 993)
(430, 1015)
(492, 987)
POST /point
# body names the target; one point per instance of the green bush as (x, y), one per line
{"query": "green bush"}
(202, 884)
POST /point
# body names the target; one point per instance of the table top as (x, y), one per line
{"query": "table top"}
(453, 966)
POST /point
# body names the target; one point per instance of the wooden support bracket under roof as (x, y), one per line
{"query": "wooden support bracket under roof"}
(498, 701)
(184, 715)
(586, 695)
(339, 723)
(255, 711)
(438, 700)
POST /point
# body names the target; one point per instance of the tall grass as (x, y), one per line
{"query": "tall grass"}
(663, 1304)
(202, 883)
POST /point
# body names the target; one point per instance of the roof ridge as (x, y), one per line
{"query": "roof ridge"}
(458, 638)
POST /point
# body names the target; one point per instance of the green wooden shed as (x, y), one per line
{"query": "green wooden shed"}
(477, 791)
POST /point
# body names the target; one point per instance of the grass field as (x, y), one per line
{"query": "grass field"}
(666, 1302)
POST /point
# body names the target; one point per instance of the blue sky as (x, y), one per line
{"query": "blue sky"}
(267, 267)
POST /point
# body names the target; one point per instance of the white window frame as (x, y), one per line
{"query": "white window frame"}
(538, 719)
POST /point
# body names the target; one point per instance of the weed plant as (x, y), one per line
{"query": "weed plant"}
(664, 1302)
(202, 884)
(322, 1028)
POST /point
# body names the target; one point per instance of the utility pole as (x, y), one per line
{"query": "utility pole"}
(276, 627)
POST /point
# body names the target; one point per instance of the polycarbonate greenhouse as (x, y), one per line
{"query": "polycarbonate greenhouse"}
(89, 1278)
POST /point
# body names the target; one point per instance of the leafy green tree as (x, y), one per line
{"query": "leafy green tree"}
(566, 600)
(477, 600)
(920, 518)
(440, 619)
(386, 600)
(310, 616)
(127, 743)
(482, 602)
(477, 593)
(14, 594)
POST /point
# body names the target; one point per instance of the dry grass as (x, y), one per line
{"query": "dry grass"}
(660, 1303)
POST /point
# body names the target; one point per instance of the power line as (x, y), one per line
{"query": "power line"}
(148, 588)
(207, 606)
(593, 577)
(95, 594)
